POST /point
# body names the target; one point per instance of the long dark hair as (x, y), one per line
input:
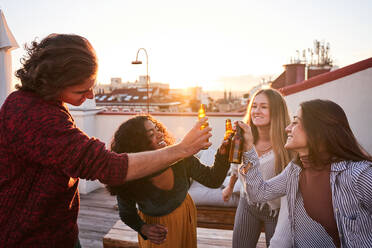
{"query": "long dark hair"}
(328, 131)
(130, 137)
(58, 61)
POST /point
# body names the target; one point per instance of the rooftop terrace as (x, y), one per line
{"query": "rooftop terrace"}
(351, 87)
(98, 215)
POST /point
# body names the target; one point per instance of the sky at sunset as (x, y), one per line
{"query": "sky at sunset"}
(210, 43)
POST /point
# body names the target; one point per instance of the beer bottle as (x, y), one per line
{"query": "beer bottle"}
(236, 147)
(228, 130)
(201, 114)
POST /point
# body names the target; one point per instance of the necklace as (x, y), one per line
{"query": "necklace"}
(265, 149)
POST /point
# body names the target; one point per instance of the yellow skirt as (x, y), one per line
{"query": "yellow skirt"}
(181, 224)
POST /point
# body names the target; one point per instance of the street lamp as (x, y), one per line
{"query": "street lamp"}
(139, 62)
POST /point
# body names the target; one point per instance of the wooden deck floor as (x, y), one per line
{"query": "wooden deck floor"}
(97, 216)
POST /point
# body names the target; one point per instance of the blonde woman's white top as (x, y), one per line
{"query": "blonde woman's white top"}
(267, 169)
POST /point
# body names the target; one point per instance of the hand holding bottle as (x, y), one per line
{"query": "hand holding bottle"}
(196, 139)
(247, 135)
(225, 146)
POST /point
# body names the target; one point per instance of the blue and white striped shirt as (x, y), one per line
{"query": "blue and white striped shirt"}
(351, 185)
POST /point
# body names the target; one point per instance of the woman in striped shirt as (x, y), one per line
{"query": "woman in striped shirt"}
(328, 185)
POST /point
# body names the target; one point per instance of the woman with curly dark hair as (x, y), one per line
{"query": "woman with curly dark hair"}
(166, 214)
(43, 154)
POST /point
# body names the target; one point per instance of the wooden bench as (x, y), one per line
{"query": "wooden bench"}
(216, 217)
(121, 236)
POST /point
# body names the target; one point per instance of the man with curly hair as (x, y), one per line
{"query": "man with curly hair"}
(43, 154)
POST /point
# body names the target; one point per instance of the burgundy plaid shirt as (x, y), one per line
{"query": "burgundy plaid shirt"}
(42, 155)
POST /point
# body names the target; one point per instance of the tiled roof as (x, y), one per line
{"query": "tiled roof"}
(137, 96)
(327, 77)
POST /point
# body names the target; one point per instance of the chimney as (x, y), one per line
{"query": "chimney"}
(315, 71)
(294, 73)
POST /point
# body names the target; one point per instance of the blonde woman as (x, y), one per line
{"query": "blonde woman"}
(267, 114)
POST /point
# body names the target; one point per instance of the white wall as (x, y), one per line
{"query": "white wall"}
(104, 126)
(354, 94)
(86, 121)
(178, 126)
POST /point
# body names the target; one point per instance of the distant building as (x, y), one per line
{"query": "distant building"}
(143, 79)
(230, 103)
(135, 100)
(117, 83)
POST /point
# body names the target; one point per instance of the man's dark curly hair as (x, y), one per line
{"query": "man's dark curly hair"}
(58, 61)
(132, 137)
